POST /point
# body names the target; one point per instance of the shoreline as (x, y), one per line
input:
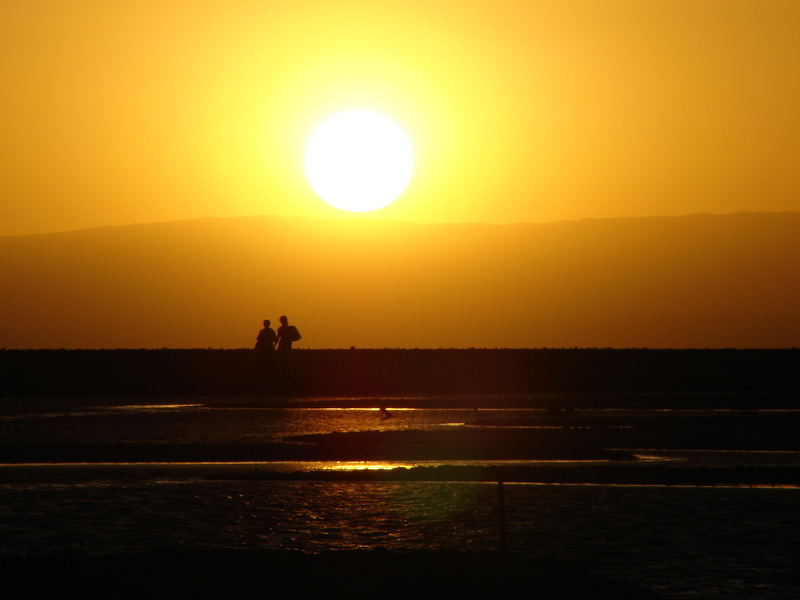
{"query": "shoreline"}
(631, 474)
(364, 373)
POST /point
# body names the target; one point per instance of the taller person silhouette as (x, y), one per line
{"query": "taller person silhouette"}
(287, 334)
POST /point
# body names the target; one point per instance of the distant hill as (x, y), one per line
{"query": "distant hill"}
(693, 281)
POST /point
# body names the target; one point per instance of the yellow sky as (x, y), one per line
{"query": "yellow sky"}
(125, 112)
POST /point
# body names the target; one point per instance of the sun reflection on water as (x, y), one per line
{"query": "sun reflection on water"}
(364, 466)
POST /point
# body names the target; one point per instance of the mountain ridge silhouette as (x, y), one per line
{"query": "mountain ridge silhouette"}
(367, 220)
(686, 281)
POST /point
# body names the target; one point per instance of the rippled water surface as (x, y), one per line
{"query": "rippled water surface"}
(686, 542)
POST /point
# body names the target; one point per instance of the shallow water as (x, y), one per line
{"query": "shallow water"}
(199, 423)
(683, 542)
(686, 542)
(193, 420)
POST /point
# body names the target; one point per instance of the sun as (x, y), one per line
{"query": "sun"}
(358, 160)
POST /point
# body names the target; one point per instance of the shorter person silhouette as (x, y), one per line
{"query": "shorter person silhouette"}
(287, 334)
(265, 342)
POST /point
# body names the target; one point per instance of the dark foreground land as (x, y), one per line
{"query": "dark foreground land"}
(34, 373)
(357, 574)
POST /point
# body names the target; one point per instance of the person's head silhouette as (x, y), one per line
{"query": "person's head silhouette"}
(266, 322)
(284, 320)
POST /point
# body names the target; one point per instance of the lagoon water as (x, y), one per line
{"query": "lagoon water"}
(685, 542)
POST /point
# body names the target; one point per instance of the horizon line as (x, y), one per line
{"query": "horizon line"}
(415, 349)
(362, 219)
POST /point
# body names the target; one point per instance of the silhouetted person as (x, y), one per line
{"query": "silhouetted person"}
(286, 335)
(265, 342)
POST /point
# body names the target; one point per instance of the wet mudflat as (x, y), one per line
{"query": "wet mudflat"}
(684, 503)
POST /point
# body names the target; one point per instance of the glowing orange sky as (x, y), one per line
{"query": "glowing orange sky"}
(119, 113)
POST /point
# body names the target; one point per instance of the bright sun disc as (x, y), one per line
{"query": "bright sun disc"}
(358, 160)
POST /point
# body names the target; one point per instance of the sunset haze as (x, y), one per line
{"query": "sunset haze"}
(583, 174)
(679, 282)
(119, 113)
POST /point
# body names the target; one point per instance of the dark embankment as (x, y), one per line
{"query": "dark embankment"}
(32, 373)
(360, 574)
